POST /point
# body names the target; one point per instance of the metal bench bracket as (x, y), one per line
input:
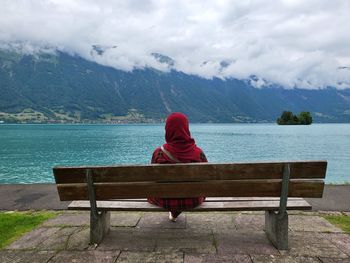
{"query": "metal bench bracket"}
(276, 224)
(284, 190)
(99, 221)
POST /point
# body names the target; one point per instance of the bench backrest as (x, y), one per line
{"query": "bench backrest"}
(306, 179)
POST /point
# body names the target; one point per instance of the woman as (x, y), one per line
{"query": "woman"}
(179, 148)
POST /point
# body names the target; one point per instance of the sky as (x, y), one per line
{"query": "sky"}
(304, 44)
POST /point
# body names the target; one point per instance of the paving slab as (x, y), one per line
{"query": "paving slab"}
(313, 244)
(69, 218)
(311, 223)
(130, 239)
(189, 241)
(58, 240)
(18, 256)
(34, 238)
(251, 212)
(283, 259)
(79, 240)
(214, 258)
(85, 257)
(149, 257)
(233, 242)
(161, 220)
(200, 237)
(217, 222)
(250, 222)
(125, 219)
(341, 241)
(79, 218)
(334, 260)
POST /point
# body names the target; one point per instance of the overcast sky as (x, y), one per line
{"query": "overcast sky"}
(295, 43)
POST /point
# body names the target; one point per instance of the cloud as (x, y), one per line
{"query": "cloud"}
(292, 43)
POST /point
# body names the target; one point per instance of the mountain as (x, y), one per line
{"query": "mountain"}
(64, 88)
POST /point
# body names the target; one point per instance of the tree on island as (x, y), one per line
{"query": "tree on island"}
(288, 118)
(305, 118)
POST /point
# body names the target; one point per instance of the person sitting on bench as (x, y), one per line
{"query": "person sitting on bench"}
(179, 148)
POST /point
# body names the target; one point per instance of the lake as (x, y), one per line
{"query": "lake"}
(28, 152)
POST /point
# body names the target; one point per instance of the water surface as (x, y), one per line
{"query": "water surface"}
(28, 152)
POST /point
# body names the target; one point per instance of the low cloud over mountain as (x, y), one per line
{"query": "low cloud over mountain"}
(303, 44)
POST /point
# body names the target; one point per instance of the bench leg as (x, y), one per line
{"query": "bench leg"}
(276, 228)
(99, 226)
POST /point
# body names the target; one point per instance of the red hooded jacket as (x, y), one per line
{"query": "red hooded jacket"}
(182, 147)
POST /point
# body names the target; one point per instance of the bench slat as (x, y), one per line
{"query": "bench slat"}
(299, 204)
(191, 172)
(219, 199)
(224, 188)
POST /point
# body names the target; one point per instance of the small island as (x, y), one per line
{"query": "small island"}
(288, 118)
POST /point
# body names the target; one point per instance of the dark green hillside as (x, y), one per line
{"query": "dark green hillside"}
(65, 88)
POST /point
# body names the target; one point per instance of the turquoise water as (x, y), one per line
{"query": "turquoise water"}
(28, 152)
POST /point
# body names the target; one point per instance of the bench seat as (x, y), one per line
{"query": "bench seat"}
(273, 187)
(210, 205)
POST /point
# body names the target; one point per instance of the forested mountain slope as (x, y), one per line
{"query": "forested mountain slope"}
(65, 88)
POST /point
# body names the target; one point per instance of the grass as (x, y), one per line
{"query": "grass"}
(341, 221)
(15, 224)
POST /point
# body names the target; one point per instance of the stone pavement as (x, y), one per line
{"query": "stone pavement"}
(196, 237)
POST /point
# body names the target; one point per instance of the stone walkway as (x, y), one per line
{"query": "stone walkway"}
(196, 237)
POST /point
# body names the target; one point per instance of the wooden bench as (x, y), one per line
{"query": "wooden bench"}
(273, 187)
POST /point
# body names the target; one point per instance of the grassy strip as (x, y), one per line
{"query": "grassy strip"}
(342, 221)
(15, 224)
